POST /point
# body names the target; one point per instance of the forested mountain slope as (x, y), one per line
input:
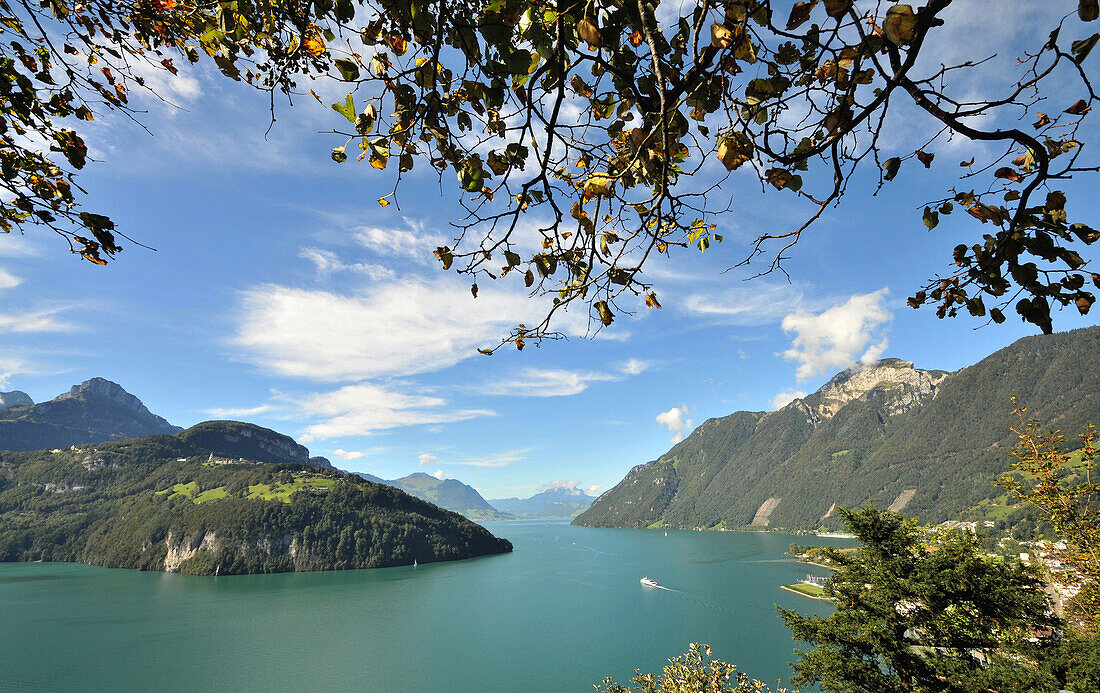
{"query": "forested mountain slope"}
(926, 442)
(217, 499)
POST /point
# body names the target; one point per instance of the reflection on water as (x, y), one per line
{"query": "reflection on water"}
(560, 613)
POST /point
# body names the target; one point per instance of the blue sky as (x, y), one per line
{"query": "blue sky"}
(281, 293)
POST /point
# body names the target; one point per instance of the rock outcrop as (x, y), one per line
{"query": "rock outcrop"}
(15, 398)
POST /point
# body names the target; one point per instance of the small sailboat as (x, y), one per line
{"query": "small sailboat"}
(415, 563)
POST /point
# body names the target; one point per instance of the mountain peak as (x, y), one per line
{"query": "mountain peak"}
(902, 385)
(15, 398)
(101, 387)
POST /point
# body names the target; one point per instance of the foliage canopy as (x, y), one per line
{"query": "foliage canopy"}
(1062, 487)
(611, 127)
(917, 612)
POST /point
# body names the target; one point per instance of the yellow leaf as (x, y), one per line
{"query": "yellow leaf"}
(314, 46)
(383, 201)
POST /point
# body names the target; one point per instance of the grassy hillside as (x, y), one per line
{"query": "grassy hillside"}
(947, 446)
(163, 503)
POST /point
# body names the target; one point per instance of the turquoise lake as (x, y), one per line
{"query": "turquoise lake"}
(559, 614)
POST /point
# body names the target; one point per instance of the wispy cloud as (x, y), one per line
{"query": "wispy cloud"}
(401, 327)
(327, 262)
(349, 454)
(412, 242)
(236, 413)
(558, 382)
(366, 408)
(502, 459)
(427, 459)
(747, 304)
(544, 382)
(836, 337)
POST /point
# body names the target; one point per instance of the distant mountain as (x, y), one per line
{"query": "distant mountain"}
(15, 398)
(926, 442)
(95, 411)
(554, 502)
(451, 494)
(190, 503)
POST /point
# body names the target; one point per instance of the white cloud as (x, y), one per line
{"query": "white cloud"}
(40, 321)
(412, 243)
(10, 366)
(541, 382)
(17, 245)
(677, 422)
(748, 304)
(327, 262)
(7, 280)
(349, 454)
(558, 382)
(440, 474)
(593, 490)
(397, 328)
(427, 459)
(558, 483)
(786, 397)
(231, 413)
(839, 336)
(364, 408)
(502, 459)
(176, 90)
(634, 367)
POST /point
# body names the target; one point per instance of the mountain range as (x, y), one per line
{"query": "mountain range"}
(926, 442)
(554, 502)
(95, 411)
(451, 494)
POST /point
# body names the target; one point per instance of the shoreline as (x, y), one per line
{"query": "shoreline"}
(803, 594)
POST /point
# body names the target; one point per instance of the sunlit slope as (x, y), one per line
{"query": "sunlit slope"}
(926, 442)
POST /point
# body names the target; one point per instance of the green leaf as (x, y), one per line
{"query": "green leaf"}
(931, 219)
(346, 109)
(892, 166)
(348, 69)
(1082, 48)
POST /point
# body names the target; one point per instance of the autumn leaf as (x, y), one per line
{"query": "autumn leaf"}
(1080, 108)
(314, 46)
(925, 158)
(1043, 121)
(1007, 173)
(799, 14)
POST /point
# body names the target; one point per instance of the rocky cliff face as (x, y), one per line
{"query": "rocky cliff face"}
(901, 386)
(105, 389)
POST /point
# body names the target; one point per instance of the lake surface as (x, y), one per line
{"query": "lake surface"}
(559, 614)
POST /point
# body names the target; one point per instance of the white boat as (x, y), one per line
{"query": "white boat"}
(649, 582)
